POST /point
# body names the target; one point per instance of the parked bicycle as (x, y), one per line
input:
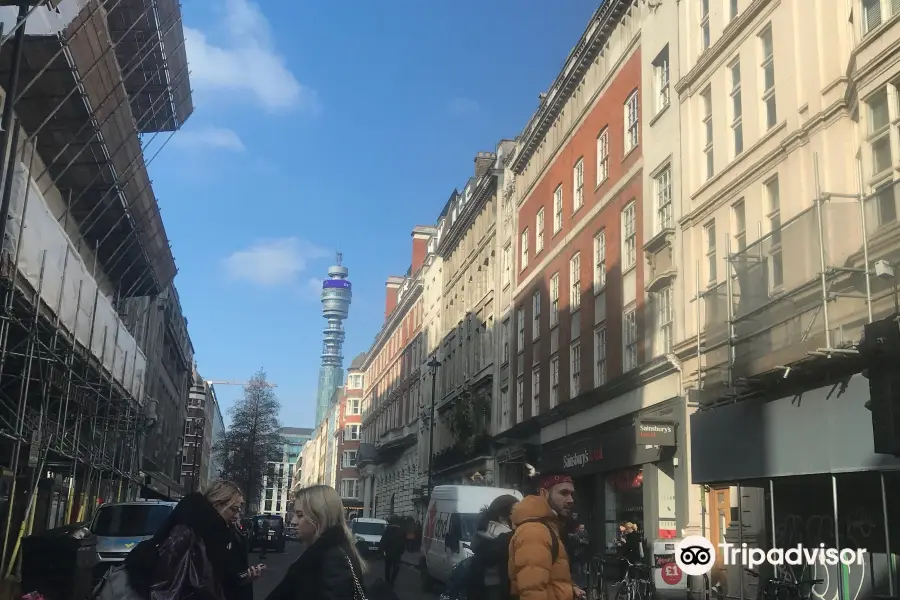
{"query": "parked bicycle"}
(637, 583)
(785, 587)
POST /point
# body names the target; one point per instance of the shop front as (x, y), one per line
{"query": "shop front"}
(800, 469)
(624, 473)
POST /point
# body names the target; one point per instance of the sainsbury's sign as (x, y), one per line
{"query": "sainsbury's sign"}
(582, 458)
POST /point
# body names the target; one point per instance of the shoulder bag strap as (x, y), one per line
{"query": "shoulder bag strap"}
(357, 586)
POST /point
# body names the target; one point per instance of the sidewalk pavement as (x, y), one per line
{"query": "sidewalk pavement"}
(411, 558)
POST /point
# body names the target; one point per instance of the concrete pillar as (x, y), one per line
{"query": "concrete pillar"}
(367, 496)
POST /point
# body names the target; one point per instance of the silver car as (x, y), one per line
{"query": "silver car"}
(121, 526)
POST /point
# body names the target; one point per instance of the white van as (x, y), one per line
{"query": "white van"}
(368, 534)
(450, 525)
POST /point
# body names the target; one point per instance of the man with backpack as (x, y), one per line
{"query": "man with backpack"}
(538, 561)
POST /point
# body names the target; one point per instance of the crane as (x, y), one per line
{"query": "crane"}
(240, 383)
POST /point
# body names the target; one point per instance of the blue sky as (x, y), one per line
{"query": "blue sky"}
(324, 126)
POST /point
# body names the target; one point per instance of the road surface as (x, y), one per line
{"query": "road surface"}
(407, 587)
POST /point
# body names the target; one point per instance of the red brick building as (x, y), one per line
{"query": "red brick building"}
(588, 393)
(349, 423)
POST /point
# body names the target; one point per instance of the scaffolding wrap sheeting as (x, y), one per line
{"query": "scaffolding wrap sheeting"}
(68, 288)
(801, 293)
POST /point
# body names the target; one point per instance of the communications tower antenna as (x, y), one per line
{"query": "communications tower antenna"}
(336, 297)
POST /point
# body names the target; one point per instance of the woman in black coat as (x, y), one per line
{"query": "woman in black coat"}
(190, 556)
(330, 568)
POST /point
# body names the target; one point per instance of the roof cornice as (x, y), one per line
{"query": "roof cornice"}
(601, 26)
(393, 321)
(455, 231)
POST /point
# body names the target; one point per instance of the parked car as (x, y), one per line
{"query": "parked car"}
(120, 526)
(275, 535)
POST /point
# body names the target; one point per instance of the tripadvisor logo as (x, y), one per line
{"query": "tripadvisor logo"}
(696, 555)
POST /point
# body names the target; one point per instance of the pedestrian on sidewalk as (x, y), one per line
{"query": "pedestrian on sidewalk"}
(392, 546)
(538, 561)
(330, 568)
(489, 575)
(190, 556)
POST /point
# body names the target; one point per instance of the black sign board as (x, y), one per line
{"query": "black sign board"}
(655, 433)
(594, 452)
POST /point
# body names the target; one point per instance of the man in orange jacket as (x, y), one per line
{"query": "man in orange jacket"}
(538, 562)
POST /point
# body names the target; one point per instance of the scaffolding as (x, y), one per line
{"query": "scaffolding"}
(82, 235)
(794, 302)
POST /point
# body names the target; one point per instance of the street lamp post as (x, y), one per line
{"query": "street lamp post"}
(433, 365)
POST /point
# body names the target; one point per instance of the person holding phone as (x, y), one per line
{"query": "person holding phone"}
(193, 555)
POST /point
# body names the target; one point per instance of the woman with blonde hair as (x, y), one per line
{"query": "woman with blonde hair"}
(330, 568)
(190, 555)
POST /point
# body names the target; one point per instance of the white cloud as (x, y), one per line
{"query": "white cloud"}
(246, 62)
(462, 106)
(271, 262)
(210, 138)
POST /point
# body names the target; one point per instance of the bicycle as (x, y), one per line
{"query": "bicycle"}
(782, 588)
(637, 583)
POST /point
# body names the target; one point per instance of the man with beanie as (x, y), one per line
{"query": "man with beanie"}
(538, 561)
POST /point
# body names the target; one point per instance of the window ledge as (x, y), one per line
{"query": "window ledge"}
(659, 114)
(629, 151)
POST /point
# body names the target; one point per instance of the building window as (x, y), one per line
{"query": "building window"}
(349, 459)
(663, 187)
(554, 382)
(575, 279)
(773, 198)
(603, 155)
(554, 300)
(710, 232)
(737, 128)
(521, 336)
(354, 406)
(630, 339)
(732, 10)
(704, 25)
(535, 392)
(665, 317)
(504, 407)
(536, 315)
(349, 488)
(578, 185)
(351, 432)
(575, 369)
(507, 265)
(661, 79)
(738, 211)
(520, 400)
(880, 132)
(557, 210)
(524, 258)
(871, 13)
(539, 231)
(505, 333)
(599, 356)
(629, 237)
(706, 97)
(768, 69)
(599, 261)
(632, 122)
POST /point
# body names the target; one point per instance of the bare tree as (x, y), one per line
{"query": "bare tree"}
(253, 439)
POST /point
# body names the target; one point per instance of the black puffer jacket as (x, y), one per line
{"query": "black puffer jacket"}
(322, 572)
(189, 556)
(489, 564)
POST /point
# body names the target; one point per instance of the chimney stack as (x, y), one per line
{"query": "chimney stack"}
(484, 162)
(392, 291)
